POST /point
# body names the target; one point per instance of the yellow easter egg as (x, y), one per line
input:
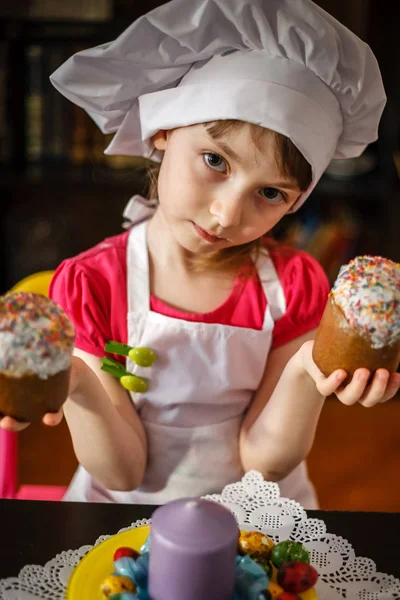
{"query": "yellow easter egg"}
(117, 584)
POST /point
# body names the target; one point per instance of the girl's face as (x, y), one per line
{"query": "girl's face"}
(220, 193)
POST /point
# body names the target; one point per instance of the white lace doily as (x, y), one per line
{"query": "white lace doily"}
(256, 504)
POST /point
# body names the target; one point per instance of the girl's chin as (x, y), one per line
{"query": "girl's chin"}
(200, 247)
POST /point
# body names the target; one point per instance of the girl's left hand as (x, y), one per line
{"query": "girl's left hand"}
(382, 387)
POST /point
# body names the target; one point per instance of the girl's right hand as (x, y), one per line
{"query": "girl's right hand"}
(49, 419)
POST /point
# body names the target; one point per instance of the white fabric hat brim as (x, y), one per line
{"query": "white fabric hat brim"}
(146, 79)
(250, 87)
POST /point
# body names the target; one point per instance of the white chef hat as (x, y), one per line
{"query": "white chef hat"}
(286, 65)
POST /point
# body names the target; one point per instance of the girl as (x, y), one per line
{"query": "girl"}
(244, 102)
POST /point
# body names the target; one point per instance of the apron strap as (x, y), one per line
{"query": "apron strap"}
(273, 290)
(138, 284)
(138, 211)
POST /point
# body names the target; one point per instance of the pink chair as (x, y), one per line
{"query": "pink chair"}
(9, 474)
(38, 283)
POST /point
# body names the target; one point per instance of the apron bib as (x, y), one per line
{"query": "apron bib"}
(202, 382)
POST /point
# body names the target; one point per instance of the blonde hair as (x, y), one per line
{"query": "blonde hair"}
(292, 164)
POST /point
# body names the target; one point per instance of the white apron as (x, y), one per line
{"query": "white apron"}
(199, 388)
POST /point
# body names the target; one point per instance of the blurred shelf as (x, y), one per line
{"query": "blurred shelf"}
(370, 185)
(20, 29)
(66, 174)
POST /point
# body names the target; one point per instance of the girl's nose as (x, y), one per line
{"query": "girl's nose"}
(227, 210)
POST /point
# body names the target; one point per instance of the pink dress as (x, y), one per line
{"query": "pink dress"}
(208, 367)
(91, 287)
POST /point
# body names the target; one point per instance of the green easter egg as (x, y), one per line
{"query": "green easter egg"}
(144, 357)
(289, 551)
(133, 383)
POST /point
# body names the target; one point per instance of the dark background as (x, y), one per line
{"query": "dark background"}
(60, 195)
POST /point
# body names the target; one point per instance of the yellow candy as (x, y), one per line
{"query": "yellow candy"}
(275, 589)
(134, 383)
(117, 584)
(255, 544)
(144, 357)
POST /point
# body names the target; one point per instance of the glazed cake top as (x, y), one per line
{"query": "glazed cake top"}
(367, 290)
(36, 336)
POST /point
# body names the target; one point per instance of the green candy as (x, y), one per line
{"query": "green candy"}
(288, 551)
(132, 383)
(144, 357)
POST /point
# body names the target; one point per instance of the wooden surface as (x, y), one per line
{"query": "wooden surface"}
(354, 463)
(355, 460)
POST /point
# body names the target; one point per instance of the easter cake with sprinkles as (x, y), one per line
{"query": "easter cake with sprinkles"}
(36, 343)
(360, 327)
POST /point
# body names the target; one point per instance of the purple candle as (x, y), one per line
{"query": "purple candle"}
(193, 550)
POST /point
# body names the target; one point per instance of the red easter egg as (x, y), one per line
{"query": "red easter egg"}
(125, 551)
(297, 577)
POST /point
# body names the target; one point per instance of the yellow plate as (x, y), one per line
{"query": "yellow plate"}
(97, 565)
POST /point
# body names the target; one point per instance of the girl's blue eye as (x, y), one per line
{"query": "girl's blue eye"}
(273, 195)
(214, 161)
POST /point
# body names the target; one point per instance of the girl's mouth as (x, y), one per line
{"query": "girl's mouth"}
(205, 235)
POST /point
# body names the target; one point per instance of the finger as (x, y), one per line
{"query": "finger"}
(11, 424)
(352, 392)
(329, 385)
(53, 419)
(392, 387)
(376, 390)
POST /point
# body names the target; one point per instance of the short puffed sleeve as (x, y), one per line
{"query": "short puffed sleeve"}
(84, 299)
(92, 290)
(306, 288)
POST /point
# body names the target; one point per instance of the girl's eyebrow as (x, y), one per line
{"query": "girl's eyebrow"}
(228, 150)
(287, 184)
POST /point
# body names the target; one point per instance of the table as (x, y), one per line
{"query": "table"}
(33, 532)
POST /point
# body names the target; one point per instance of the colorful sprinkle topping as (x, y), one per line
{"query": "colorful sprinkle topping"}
(36, 336)
(368, 292)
